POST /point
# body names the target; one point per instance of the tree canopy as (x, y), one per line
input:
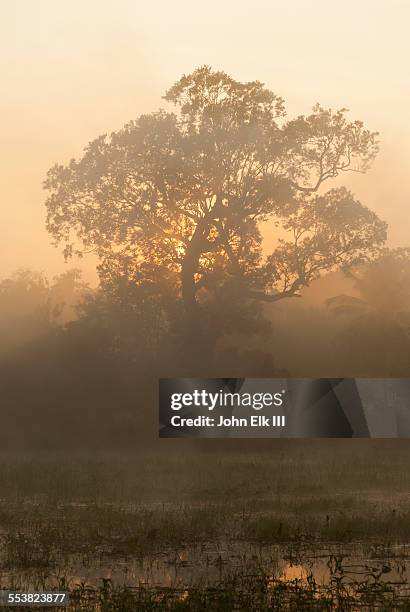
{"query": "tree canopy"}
(177, 199)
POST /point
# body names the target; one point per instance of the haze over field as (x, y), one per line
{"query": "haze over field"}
(73, 70)
(209, 219)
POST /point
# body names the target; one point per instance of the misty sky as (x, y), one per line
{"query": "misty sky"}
(71, 70)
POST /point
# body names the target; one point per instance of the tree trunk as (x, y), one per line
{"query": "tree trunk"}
(200, 338)
(188, 271)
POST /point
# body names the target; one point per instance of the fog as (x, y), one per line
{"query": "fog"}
(77, 341)
(74, 70)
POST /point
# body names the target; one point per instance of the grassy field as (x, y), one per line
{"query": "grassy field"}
(304, 525)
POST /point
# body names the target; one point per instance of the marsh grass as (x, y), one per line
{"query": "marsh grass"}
(142, 507)
(330, 469)
(244, 592)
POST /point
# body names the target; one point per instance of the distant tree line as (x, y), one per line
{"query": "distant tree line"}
(79, 368)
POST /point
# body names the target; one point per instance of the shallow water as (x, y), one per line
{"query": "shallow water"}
(210, 563)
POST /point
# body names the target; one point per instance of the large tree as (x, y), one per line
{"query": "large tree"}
(182, 196)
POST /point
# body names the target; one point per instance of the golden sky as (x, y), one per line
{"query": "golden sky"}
(71, 70)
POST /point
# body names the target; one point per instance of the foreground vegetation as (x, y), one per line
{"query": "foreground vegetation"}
(304, 525)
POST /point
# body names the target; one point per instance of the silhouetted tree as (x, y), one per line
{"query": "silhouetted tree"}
(180, 198)
(376, 330)
(31, 306)
(26, 310)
